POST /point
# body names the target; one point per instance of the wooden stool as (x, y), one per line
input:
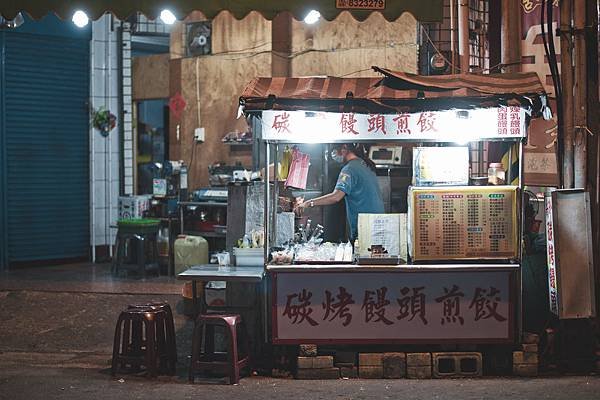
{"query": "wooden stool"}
(168, 362)
(229, 364)
(140, 340)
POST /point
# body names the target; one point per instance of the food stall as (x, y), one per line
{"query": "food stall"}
(450, 272)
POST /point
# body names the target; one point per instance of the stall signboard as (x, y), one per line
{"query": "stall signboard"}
(551, 258)
(459, 126)
(463, 223)
(392, 307)
(360, 4)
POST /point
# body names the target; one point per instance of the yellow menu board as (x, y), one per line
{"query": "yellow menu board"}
(462, 223)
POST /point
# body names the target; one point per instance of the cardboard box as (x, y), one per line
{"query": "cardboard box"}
(133, 206)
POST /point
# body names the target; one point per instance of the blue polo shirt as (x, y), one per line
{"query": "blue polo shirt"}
(363, 195)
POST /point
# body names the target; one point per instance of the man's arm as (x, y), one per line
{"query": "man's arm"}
(326, 200)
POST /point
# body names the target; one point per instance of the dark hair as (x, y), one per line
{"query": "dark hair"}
(361, 152)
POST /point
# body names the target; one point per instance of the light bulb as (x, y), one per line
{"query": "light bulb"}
(80, 19)
(168, 17)
(312, 17)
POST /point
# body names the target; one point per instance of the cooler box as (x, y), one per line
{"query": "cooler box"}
(249, 257)
(190, 250)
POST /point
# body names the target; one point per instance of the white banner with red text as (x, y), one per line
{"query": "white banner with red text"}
(379, 307)
(459, 126)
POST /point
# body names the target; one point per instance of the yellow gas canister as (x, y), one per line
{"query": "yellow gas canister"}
(190, 250)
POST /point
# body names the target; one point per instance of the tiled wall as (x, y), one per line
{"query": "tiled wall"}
(128, 143)
(104, 151)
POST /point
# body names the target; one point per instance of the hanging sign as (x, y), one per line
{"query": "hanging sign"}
(379, 307)
(551, 258)
(360, 4)
(459, 126)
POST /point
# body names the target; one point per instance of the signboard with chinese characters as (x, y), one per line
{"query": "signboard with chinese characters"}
(360, 4)
(550, 259)
(459, 126)
(386, 307)
(458, 223)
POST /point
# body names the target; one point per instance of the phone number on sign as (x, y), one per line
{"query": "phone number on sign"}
(361, 4)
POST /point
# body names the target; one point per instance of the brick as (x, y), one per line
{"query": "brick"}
(370, 359)
(349, 372)
(525, 369)
(322, 373)
(456, 364)
(520, 357)
(394, 365)
(529, 348)
(308, 350)
(280, 373)
(418, 359)
(345, 357)
(530, 338)
(423, 372)
(305, 362)
(370, 372)
(323, 362)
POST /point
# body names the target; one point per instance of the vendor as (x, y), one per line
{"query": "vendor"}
(357, 183)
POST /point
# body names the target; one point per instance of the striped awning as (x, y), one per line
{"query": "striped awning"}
(423, 10)
(523, 84)
(395, 91)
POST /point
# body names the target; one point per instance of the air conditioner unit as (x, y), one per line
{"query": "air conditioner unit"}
(198, 38)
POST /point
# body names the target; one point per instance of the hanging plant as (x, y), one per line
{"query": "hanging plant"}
(103, 120)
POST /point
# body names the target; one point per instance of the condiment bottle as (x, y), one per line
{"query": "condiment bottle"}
(496, 174)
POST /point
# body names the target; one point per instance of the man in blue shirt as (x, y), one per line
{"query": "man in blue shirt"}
(357, 183)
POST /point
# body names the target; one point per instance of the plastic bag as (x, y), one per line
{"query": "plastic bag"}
(298, 170)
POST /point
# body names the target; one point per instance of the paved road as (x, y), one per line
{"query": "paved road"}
(33, 383)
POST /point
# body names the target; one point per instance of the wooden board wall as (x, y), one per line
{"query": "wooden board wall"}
(150, 77)
(242, 51)
(348, 47)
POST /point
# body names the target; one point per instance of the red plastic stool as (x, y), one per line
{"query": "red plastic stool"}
(139, 340)
(166, 336)
(229, 364)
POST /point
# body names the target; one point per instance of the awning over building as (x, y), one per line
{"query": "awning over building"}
(524, 84)
(422, 10)
(396, 91)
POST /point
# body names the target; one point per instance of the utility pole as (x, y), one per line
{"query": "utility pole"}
(463, 36)
(281, 39)
(566, 73)
(510, 36)
(580, 96)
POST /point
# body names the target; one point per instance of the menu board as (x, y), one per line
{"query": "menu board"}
(466, 222)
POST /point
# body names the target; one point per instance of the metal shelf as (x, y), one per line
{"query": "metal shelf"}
(205, 234)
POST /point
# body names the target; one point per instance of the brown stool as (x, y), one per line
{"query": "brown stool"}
(166, 339)
(229, 364)
(140, 340)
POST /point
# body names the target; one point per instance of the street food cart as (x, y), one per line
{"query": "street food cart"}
(461, 279)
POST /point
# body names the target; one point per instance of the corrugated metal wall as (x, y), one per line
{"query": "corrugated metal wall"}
(45, 125)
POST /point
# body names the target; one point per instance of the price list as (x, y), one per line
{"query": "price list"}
(464, 223)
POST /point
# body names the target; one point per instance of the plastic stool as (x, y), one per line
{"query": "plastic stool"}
(140, 340)
(169, 361)
(231, 364)
(144, 233)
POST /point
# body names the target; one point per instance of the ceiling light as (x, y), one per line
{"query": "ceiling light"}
(312, 17)
(80, 19)
(168, 17)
